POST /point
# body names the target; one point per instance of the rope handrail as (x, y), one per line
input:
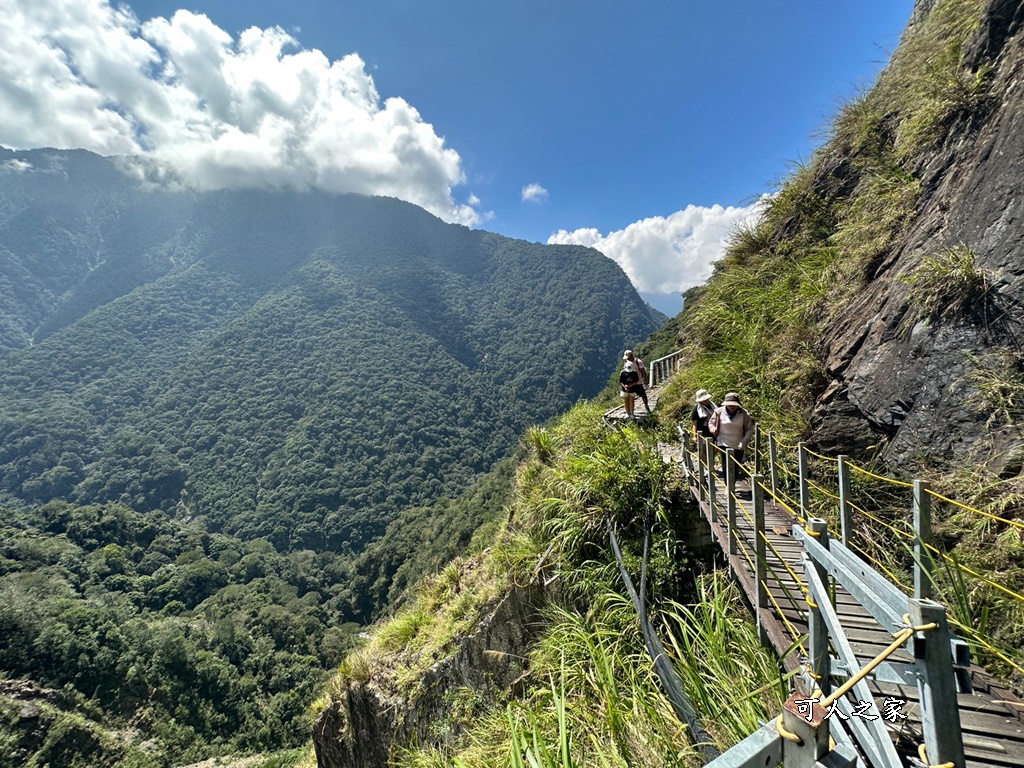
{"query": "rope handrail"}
(869, 473)
(823, 490)
(882, 522)
(966, 569)
(940, 497)
(818, 455)
(798, 638)
(771, 546)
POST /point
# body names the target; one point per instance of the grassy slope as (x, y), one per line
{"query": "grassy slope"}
(755, 325)
(589, 693)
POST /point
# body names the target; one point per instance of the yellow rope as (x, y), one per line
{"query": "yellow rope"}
(823, 490)
(882, 522)
(890, 480)
(809, 532)
(792, 630)
(1014, 523)
(818, 455)
(740, 541)
(780, 500)
(788, 735)
(784, 561)
(966, 569)
(980, 640)
(922, 752)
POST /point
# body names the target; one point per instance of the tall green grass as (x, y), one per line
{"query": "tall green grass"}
(589, 695)
(756, 326)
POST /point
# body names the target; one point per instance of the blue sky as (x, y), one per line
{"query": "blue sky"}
(646, 129)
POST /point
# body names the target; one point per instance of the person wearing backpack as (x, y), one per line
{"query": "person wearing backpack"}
(630, 386)
(641, 369)
(733, 428)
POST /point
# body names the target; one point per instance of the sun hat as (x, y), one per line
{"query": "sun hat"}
(628, 366)
(702, 395)
(627, 354)
(731, 397)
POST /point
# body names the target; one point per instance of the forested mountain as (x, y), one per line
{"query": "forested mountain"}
(212, 403)
(292, 366)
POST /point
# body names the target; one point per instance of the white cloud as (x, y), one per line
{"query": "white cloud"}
(16, 166)
(667, 255)
(534, 193)
(208, 110)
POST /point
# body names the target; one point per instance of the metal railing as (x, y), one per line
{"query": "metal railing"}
(661, 370)
(804, 734)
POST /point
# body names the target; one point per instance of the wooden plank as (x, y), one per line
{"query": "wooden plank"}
(993, 733)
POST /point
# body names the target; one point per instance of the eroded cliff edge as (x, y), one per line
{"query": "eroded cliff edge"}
(373, 714)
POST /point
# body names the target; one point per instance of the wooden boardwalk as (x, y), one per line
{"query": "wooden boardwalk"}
(991, 718)
(617, 415)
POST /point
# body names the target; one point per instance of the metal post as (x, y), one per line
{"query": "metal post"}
(805, 501)
(817, 630)
(807, 720)
(702, 466)
(940, 717)
(760, 547)
(924, 566)
(757, 449)
(845, 513)
(712, 485)
(760, 555)
(773, 465)
(730, 504)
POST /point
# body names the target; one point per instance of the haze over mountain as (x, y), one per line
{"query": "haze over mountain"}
(299, 366)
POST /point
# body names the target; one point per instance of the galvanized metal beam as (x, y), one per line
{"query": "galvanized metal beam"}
(860, 581)
(871, 735)
(761, 749)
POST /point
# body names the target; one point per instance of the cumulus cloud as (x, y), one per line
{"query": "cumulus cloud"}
(667, 255)
(534, 193)
(209, 110)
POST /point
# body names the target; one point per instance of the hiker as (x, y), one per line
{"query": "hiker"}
(700, 414)
(733, 428)
(630, 385)
(641, 369)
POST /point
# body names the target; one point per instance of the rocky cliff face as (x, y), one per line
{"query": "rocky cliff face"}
(366, 720)
(913, 382)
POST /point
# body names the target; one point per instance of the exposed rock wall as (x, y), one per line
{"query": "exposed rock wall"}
(363, 724)
(902, 383)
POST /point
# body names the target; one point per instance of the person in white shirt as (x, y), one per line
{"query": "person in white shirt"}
(732, 427)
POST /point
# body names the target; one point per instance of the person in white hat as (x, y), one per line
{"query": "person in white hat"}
(700, 414)
(732, 427)
(641, 369)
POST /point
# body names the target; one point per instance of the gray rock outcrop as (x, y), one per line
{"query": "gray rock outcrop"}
(903, 384)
